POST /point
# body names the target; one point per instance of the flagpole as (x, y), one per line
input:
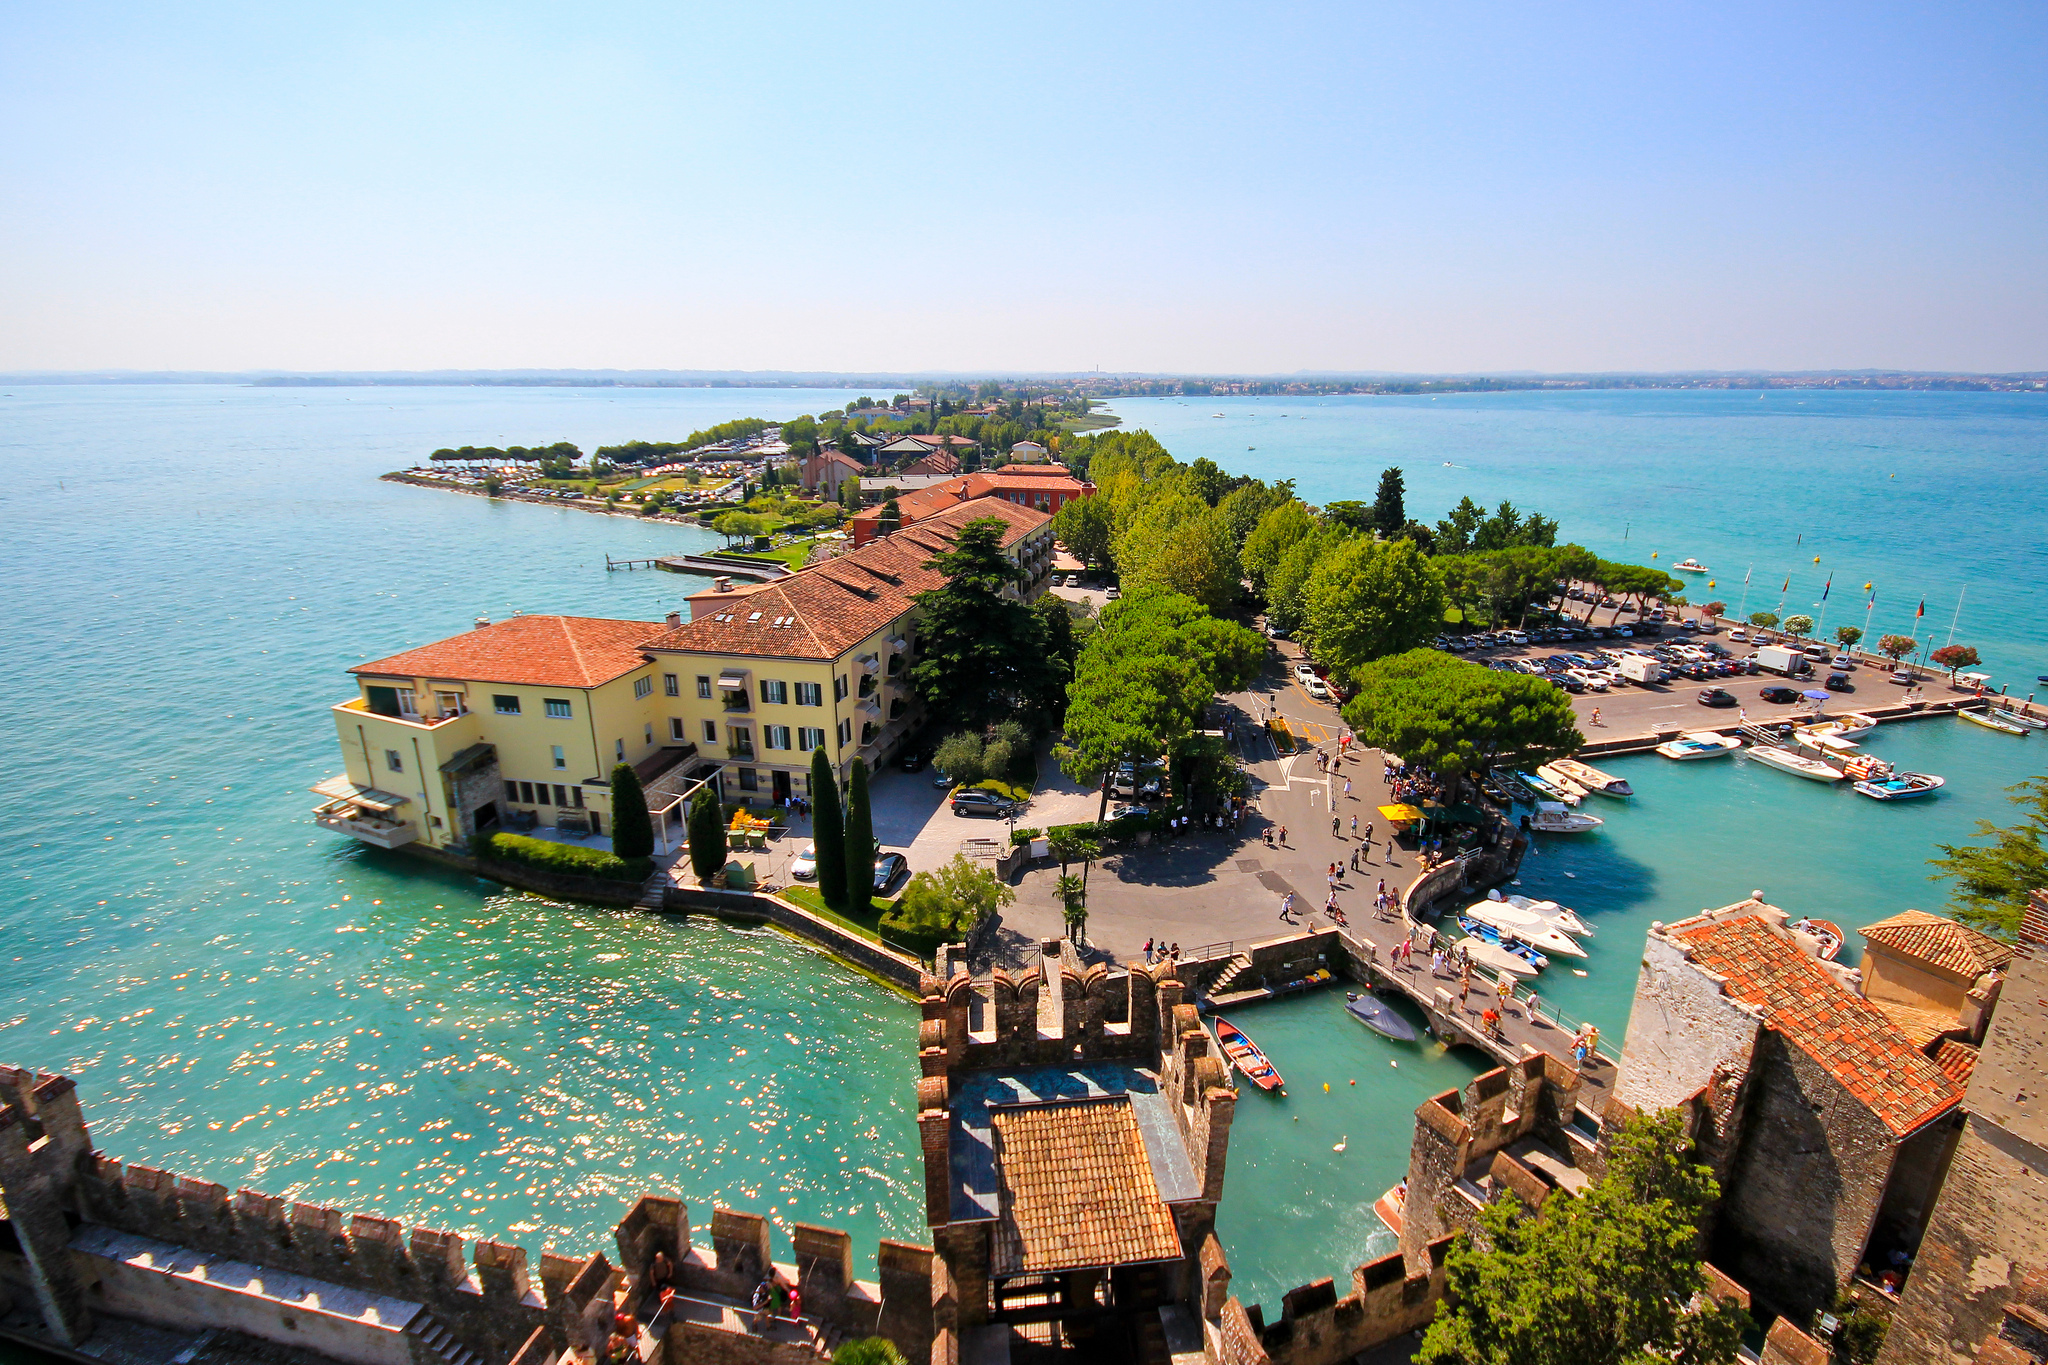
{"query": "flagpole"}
(1957, 617)
(1745, 594)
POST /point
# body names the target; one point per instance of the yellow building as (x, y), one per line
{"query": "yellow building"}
(517, 725)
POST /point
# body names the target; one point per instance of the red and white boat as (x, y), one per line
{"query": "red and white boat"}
(1244, 1054)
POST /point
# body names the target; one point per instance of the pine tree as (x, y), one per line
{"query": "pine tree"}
(828, 836)
(860, 840)
(707, 833)
(1389, 509)
(632, 827)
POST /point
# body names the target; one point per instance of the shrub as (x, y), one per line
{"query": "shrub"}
(567, 859)
(960, 757)
(632, 827)
(940, 907)
(868, 1351)
(707, 834)
(859, 838)
(1019, 837)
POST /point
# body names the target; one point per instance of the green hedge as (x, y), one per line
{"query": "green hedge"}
(1020, 837)
(925, 943)
(1123, 828)
(1015, 791)
(567, 859)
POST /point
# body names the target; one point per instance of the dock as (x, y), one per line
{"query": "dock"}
(708, 566)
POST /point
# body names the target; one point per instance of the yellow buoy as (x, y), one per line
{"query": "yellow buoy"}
(1326, 1087)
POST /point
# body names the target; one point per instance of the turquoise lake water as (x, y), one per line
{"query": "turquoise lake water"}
(248, 998)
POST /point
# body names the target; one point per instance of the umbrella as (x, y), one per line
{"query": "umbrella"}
(1814, 694)
(1400, 812)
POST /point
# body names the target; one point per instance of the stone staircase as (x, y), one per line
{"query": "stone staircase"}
(437, 1343)
(1226, 982)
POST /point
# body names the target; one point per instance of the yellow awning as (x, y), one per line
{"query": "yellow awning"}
(341, 789)
(1402, 812)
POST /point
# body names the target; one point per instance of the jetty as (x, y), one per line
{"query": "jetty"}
(709, 566)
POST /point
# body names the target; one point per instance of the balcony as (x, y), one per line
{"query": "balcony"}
(868, 664)
(737, 701)
(367, 826)
(359, 708)
(870, 705)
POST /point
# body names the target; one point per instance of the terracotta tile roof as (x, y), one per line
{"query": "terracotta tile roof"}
(1940, 942)
(827, 609)
(1857, 1044)
(1921, 1026)
(536, 651)
(1957, 1060)
(1076, 1190)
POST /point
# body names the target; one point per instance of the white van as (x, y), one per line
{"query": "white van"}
(1517, 637)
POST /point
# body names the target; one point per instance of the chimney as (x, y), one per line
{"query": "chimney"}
(721, 585)
(675, 618)
(482, 621)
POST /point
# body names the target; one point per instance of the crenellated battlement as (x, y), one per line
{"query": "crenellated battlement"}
(1317, 1326)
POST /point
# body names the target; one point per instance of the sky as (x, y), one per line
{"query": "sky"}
(1185, 188)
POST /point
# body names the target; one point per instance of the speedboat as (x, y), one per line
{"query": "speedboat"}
(1566, 793)
(1497, 959)
(1824, 931)
(2025, 722)
(1551, 817)
(1991, 722)
(1486, 933)
(1901, 786)
(1391, 1205)
(1377, 1015)
(1848, 725)
(1812, 769)
(1699, 744)
(1592, 779)
(1244, 1054)
(1553, 914)
(1825, 741)
(1521, 924)
(1689, 566)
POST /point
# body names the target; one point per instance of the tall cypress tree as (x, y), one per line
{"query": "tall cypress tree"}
(707, 833)
(1389, 506)
(860, 840)
(826, 832)
(632, 826)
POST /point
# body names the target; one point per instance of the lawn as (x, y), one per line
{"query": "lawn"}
(868, 926)
(1092, 422)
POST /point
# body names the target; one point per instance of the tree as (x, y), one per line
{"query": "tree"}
(1613, 1277)
(890, 519)
(1953, 657)
(860, 839)
(1847, 636)
(953, 899)
(1350, 514)
(980, 652)
(1454, 533)
(1273, 537)
(1992, 879)
(1062, 649)
(1073, 896)
(1086, 526)
(1765, 619)
(1896, 647)
(707, 832)
(1368, 599)
(1714, 611)
(1801, 626)
(1389, 504)
(828, 834)
(632, 827)
(1193, 557)
(1207, 481)
(1454, 717)
(491, 485)
(959, 757)
(1071, 846)
(867, 1351)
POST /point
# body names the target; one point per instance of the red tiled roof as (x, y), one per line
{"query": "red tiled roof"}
(1940, 943)
(1077, 1190)
(1854, 1041)
(923, 503)
(1957, 1060)
(537, 651)
(825, 610)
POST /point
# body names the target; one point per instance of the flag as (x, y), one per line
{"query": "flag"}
(1824, 590)
(1788, 584)
(1923, 609)
(1746, 573)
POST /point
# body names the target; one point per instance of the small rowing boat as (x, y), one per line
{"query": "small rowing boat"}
(1699, 744)
(1514, 786)
(1486, 933)
(2023, 721)
(1592, 779)
(1549, 791)
(1991, 722)
(1812, 769)
(1901, 786)
(1244, 1054)
(1377, 1015)
(1827, 932)
(1559, 783)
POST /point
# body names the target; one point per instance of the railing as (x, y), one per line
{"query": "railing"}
(1558, 1017)
(1206, 951)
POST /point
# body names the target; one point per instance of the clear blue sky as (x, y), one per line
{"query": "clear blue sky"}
(1184, 187)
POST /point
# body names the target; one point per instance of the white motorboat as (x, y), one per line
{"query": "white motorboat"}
(1529, 928)
(1592, 779)
(1848, 725)
(1689, 566)
(1824, 741)
(1564, 786)
(1991, 722)
(1699, 744)
(2025, 722)
(1901, 786)
(1552, 817)
(1556, 915)
(1496, 958)
(1551, 791)
(1799, 765)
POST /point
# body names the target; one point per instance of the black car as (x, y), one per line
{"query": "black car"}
(1568, 683)
(888, 868)
(914, 759)
(1839, 682)
(974, 801)
(1780, 694)
(1716, 696)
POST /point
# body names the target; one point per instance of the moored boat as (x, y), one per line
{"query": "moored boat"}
(1500, 938)
(1847, 725)
(1592, 779)
(1799, 765)
(1689, 565)
(2025, 722)
(1514, 786)
(1551, 817)
(1377, 1015)
(1555, 915)
(1824, 742)
(1901, 786)
(1497, 959)
(1991, 722)
(1391, 1205)
(1559, 783)
(1551, 791)
(1699, 744)
(1525, 925)
(1244, 1054)
(1826, 932)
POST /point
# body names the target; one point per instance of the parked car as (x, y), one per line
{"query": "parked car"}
(1739, 635)
(1112, 592)
(1716, 696)
(1316, 688)
(1839, 682)
(974, 801)
(1779, 694)
(1842, 663)
(913, 758)
(888, 868)
(1304, 672)
(1587, 678)
(805, 866)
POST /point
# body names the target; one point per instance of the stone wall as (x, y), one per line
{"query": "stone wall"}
(1386, 1298)
(743, 907)
(1683, 1033)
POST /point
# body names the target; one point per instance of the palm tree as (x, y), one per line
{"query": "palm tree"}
(1073, 894)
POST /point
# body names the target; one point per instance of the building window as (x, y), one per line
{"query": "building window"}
(393, 761)
(868, 731)
(558, 709)
(777, 735)
(670, 686)
(809, 738)
(408, 703)
(526, 794)
(839, 688)
(845, 732)
(505, 706)
(619, 750)
(643, 687)
(675, 727)
(703, 687)
(540, 793)
(774, 692)
(576, 797)
(561, 759)
(511, 790)
(750, 781)
(561, 795)
(810, 694)
(647, 733)
(711, 732)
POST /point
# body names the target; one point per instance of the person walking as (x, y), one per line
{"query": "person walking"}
(1436, 963)
(1354, 827)
(1336, 827)
(1529, 1008)
(1505, 990)
(1287, 905)
(1464, 983)
(1354, 860)
(1283, 834)
(1347, 797)
(1596, 715)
